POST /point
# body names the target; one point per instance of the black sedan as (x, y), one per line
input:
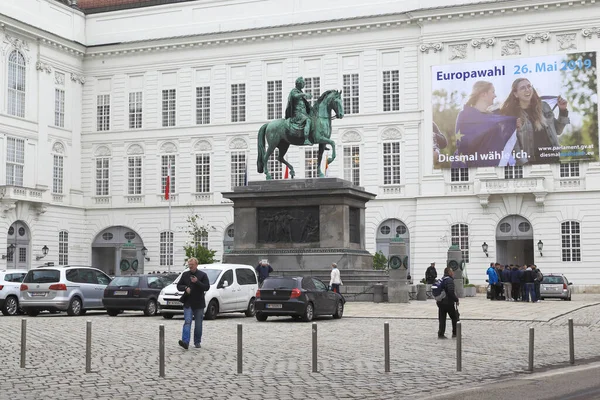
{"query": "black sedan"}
(299, 297)
(134, 292)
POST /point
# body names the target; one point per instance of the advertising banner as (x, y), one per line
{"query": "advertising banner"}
(537, 110)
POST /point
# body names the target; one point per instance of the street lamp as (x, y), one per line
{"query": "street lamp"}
(9, 251)
(484, 247)
(540, 245)
(145, 252)
(45, 250)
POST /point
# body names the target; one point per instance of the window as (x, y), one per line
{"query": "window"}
(459, 174)
(238, 169)
(352, 164)
(201, 239)
(103, 111)
(22, 254)
(244, 276)
(164, 171)
(203, 105)
(166, 248)
(57, 175)
(351, 94)
(391, 90)
(460, 238)
(15, 161)
(135, 110)
(569, 170)
(274, 100)
(168, 107)
(16, 84)
(203, 173)
(102, 175)
(227, 276)
(311, 156)
(238, 102)
(513, 172)
(63, 248)
(59, 108)
(571, 241)
(134, 175)
(391, 163)
(313, 87)
(275, 166)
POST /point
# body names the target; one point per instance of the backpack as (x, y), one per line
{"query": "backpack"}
(539, 275)
(438, 291)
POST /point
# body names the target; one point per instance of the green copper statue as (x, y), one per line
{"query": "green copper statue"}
(303, 125)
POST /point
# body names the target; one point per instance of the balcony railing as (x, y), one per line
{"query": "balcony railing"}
(534, 186)
(22, 193)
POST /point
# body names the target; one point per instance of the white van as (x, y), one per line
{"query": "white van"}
(232, 289)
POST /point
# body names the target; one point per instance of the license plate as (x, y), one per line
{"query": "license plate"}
(39, 294)
(120, 293)
(174, 303)
(274, 305)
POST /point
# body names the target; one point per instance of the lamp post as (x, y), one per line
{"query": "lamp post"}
(540, 246)
(484, 247)
(45, 250)
(144, 253)
(9, 251)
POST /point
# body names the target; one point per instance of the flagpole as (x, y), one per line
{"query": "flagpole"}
(171, 233)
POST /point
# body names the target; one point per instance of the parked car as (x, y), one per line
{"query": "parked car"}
(74, 289)
(232, 289)
(299, 297)
(555, 286)
(10, 281)
(134, 292)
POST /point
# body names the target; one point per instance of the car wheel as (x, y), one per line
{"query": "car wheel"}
(33, 313)
(113, 312)
(74, 307)
(308, 313)
(569, 298)
(251, 310)
(261, 317)
(212, 310)
(167, 316)
(339, 310)
(11, 306)
(150, 309)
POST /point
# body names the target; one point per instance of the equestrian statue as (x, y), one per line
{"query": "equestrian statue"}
(303, 126)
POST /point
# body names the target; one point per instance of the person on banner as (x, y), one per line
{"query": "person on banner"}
(537, 127)
(488, 135)
(439, 142)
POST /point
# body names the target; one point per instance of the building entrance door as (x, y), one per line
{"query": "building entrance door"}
(514, 241)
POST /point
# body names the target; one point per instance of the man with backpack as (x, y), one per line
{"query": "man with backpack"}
(538, 277)
(443, 293)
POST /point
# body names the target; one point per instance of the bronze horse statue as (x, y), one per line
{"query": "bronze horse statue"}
(278, 134)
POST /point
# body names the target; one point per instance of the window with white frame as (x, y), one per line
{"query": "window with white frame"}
(103, 112)
(63, 248)
(352, 164)
(275, 167)
(57, 174)
(59, 108)
(203, 173)
(391, 90)
(459, 174)
(16, 84)
(274, 99)
(102, 176)
(311, 157)
(15, 161)
(134, 175)
(351, 93)
(460, 238)
(391, 163)
(571, 241)
(203, 105)
(169, 107)
(313, 87)
(238, 102)
(513, 172)
(201, 238)
(166, 248)
(22, 254)
(569, 170)
(135, 110)
(238, 169)
(164, 172)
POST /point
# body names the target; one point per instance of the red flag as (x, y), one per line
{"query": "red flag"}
(287, 173)
(168, 183)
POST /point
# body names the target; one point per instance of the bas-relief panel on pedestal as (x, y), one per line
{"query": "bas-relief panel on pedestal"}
(288, 224)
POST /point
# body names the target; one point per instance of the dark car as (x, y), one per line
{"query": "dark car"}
(134, 292)
(299, 297)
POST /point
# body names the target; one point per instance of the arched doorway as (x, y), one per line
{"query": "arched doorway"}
(388, 230)
(19, 236)
(514, 241)
(228, 239)
(118, 251)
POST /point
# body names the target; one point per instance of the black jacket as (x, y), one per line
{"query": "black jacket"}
(450, 298)
(528, 276)
(195, 299)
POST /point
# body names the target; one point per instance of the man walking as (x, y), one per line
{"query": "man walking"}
(430, 274)
(335, 281)
(193, 283)
(446, 305)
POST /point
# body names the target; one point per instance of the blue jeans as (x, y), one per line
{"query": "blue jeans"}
(198, 315)
(530, 288)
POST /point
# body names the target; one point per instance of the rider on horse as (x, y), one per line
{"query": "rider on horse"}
(298, 110)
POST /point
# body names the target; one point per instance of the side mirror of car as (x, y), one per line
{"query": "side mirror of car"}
(225, 284)
(570, 283)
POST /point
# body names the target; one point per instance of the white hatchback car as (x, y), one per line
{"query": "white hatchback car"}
(232, 289)
(10, 282)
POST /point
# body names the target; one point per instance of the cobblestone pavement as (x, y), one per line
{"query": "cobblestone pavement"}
(277, 355)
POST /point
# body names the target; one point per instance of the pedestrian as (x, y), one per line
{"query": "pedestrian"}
(528, 276)
(193, 284)
(516, 283)
(446, 307)
(538, 277)
(263, 269)
(507, 282)
(493, 281)
(430, 274)
(335, 281)
(522, 283)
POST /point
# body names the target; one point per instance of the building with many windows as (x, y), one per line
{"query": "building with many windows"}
(100, 97)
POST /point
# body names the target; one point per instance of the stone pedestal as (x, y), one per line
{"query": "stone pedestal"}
(398, 289)
(300, 224)
(455, 261)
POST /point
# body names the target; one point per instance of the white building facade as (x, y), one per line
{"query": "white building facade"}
(95, 107)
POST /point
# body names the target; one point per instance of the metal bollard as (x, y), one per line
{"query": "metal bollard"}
(240, 360)
(386, 345)
(88, 347)
(531, 343)
(571, 342)
(23, 341)
(314, 347)
(458, 346)
(161, 351)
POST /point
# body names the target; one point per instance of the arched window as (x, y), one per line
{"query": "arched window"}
(570, 233)
(460, 238)
(16, 84)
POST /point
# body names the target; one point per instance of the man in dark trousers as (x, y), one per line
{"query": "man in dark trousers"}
(193, 283)
(446, 306)
(430, 274)
(263, 269)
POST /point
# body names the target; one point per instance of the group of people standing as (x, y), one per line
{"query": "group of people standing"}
(515, 283)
